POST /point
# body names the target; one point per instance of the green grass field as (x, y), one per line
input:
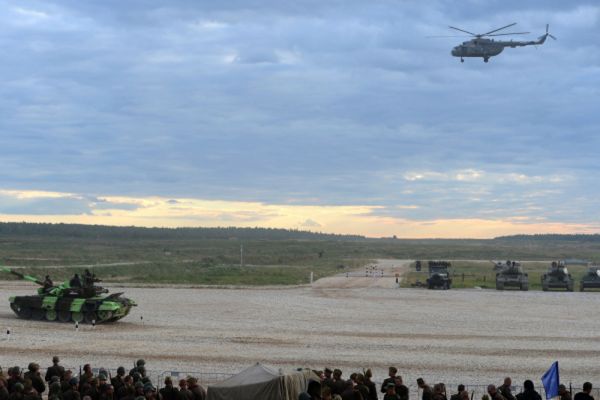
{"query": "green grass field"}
(205, 256)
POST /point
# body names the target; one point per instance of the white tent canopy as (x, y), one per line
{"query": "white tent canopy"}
(261, 382)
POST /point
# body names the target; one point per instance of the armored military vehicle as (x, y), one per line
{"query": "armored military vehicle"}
(439, 276)
(75, 300)
(511, 275)
(557, 277)
(591, 280)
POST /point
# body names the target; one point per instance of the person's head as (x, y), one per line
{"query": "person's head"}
(353, 377)
(183, 384)
(68, 374)
(128, 380)
(562, 389)
(587, 387)
(491, 389)
(368, 374)
(87, 368)
(168, 381)
(121, 371)
(192, 381)
(54, 388)
(33, 367)
(438, 388)
(421, 382)
(507, 381)
(528, 385)
(73, 382)
(390, 388)
(328, 373)
(461, 388)
(359, 379)
(392, 371)
(337, 373)
(19, 387)
(55, 360)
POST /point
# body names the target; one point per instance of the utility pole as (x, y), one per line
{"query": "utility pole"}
(241, 255)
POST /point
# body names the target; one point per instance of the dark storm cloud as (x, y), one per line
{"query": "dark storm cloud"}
(303, 103)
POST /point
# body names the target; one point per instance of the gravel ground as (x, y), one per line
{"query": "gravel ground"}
(471, 336)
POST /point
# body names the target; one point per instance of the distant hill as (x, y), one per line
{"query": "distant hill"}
(132, 232)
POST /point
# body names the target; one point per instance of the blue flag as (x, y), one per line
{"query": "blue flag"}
(550, 381)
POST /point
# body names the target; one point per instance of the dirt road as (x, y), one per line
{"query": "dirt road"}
(470, 336)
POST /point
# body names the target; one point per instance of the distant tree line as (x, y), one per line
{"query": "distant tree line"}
(552, 237)
(133, 232)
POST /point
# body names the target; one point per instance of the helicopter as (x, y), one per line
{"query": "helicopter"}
(481, 46)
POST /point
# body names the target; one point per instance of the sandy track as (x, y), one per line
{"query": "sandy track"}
(359, 278)
(456, 335)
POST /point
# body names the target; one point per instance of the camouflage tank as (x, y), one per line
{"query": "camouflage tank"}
(591, 280)
(439, 276)
(69, 301)
(557, 277)
(511, 275)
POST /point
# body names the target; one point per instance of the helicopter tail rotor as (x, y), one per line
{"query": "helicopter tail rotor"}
(548, 34)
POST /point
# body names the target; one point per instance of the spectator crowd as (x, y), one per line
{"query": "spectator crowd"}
(58, 383)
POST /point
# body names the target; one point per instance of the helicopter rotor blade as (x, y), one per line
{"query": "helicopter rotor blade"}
(499, 29)
(511, 33)
(552, 36)
(462, 30)
(447, 36)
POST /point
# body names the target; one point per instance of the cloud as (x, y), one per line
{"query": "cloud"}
(372, 221)
(326, 103)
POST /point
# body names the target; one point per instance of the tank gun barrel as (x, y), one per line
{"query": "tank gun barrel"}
(22, 276)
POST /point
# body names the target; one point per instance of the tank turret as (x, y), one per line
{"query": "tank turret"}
(74, 300)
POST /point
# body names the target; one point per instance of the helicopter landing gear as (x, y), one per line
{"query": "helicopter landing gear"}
(486, 59)
(462, 60)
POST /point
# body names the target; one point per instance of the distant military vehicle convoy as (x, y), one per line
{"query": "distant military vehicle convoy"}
(511, 274)
(78, 300)
(439, 276)
(557, 277)
(591, 280)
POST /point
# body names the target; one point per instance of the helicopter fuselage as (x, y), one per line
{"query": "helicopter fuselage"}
(486, 48)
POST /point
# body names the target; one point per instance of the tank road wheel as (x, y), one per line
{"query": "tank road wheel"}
(545, 288)
(64, 316)
(89, 316)
(51, 315)
(24, 312)
(104, 315)
(37, 314)
(77, 317)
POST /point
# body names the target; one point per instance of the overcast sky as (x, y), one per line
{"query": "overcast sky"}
(280, 113)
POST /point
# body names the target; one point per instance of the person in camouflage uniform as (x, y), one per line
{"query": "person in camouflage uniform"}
(169, 392)
(36, 379)
(55, 370)
(184, 392)
(506, 390)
